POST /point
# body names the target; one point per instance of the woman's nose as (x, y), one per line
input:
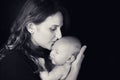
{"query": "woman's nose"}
(58, 34)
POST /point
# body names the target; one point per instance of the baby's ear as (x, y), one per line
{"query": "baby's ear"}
(71, 59)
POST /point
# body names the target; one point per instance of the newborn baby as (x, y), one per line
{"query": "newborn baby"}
(63, 53)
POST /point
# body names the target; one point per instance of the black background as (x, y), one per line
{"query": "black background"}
(94, 22)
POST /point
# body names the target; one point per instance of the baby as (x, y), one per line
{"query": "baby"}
(63, 53)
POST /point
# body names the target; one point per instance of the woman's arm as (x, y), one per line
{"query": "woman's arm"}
(75, 67)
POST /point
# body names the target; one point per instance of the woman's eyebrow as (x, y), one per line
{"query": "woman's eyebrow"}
(58, 25)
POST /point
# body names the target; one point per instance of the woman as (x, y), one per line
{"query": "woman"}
(33, 33)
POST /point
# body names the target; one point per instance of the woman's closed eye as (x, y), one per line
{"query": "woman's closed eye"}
(53, 28)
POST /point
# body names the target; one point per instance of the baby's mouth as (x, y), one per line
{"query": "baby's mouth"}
(51, 60)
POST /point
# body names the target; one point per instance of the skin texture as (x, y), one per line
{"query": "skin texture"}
(46, 33)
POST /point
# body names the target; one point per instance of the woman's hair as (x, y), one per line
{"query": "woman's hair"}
(35, 11)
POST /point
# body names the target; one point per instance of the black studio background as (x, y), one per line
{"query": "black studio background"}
(94, 22)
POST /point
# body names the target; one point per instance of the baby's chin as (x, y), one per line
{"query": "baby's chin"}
(56, 64)
(53, 62)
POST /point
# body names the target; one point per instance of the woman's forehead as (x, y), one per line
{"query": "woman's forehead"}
(53, 20)
(56, 19)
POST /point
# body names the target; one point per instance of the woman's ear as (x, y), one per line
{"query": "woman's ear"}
(71, 59)
(30, 27)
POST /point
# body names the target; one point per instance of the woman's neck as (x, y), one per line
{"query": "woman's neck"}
(36, 51)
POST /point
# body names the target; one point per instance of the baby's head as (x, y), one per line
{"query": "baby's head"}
(65, 50)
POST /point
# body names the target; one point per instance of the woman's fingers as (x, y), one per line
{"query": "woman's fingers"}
(81, 53)
(80, 57)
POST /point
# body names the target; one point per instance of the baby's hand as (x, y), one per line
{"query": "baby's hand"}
(42, 62)
(44, 75)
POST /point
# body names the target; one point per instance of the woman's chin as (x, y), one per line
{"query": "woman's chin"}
(48, 47)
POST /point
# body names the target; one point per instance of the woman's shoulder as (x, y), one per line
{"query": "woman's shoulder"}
(12, 58)
(16, 59)
(16, 66)
(10, 55)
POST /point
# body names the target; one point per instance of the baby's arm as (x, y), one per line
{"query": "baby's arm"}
(58, 73)
(44, 75)
(55, 74)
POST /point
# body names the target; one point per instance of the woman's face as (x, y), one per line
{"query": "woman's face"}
(47, 32)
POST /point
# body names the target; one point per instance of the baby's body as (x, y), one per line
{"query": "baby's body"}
(63, 53)
(57, 73)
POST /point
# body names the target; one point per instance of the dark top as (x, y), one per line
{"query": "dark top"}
(17, 65)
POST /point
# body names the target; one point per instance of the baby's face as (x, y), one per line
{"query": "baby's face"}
(61, 53)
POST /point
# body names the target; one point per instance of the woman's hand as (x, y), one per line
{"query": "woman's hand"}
(79, 59)
(75, 66)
